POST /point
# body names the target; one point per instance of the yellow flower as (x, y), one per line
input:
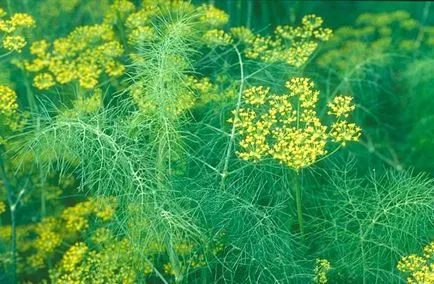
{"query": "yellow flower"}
(73, 256)
(140, 18)
(242, 34)
(47, 238)
(140, 35)
(311, 21)
(287, 128)
(43, 81)
(22, 20)
(14, 43)
(6, 26)
(341, 106)
(104, 208)
(212, 16)
(197, 260)
(217, 37)
(428, 250)
(293, 45)
(343, 132)
(114, 69)
(35, 65)
(8, 100)
(111, 49)
(148, 269)
(119, 10)
(420, 269)
(39, 48)
(167, 267)
(75, 217)
(322, 267)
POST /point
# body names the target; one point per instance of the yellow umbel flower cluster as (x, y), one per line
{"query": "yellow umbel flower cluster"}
(341, 106)
(14, 43)
(213, 17)
(371, 41)
(76, 217)
(8, 101)
(217, 37)
(109, 262)
(73, 256)
(420, 269)
(291, 45)
(52, 232)
(48, 239)
(242, 34)
(205, 89)
(322, 267)
(138, 25)
(43, 81)
(287, 128)
(118, 11)
(13, 40)
(85, 54)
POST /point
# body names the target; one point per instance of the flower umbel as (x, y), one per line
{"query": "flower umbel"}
(420, 269)
(322, 267)
(287, 128)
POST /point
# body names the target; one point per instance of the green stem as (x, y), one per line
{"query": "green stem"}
(30, 96)
(122, 33)
(298, 201)
(43, 199)
(9, 7)
(224, 173)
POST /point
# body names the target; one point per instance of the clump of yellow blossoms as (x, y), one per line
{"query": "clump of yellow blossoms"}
(217, 37)
(371, 40)
(10, 117)
(118, 11)
(242, 34)
(52, 232)
(73, 256)
(293, 45)
(111, 262)
(287, 128)
(76, 217)
(44, 81)
(420, 269)
(321, 269)
(13, 40)
(212, 16)
(8, 101)
(83, 56)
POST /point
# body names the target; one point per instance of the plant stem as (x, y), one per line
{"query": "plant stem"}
(298, 201)
(232, 135)
(9, 7)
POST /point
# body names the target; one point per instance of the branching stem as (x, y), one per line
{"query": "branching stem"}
(232, 135)
(298, 201)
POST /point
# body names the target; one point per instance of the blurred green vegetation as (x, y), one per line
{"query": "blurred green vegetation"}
(267, 14)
